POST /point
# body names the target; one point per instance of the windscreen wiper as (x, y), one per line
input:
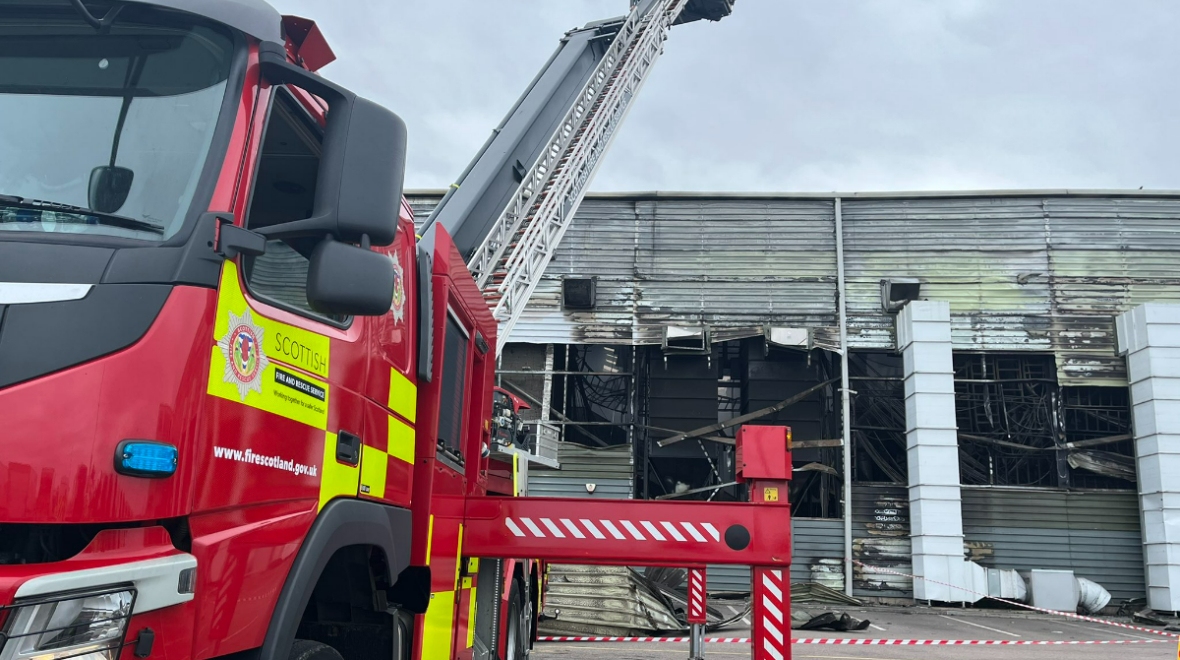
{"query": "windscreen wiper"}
(102, 25)
(108, 219)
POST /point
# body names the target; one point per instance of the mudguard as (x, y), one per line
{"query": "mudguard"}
(342, 523)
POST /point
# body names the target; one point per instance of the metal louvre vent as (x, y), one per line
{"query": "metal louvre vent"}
(578, 292)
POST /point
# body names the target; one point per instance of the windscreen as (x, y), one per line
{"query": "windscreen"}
(106, 132)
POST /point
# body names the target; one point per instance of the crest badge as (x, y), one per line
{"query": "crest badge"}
(244, 358)
(398, 306)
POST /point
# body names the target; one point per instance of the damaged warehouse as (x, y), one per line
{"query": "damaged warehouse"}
(666, 320)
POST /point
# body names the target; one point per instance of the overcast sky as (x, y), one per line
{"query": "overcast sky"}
(803, 95)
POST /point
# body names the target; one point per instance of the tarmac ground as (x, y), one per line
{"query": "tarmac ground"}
(942, 624)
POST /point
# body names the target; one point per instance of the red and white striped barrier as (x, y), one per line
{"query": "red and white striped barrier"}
(1068, 615)
(602, 530)
(696, 595)
(857, 641)
(771, 613)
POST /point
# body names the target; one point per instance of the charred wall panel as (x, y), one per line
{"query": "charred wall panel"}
(881, 539)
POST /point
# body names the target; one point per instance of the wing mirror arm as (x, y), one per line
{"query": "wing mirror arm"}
(233, 240)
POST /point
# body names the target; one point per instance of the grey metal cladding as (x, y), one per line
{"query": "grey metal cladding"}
(1023, 271)
(609, 469)
(1094, 534)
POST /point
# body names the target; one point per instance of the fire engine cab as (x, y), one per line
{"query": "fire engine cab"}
(248, 413)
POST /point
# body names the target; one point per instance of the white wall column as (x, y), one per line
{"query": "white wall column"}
(1149, 337)
(932, 447)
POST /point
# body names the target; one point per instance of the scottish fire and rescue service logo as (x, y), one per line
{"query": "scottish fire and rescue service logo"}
(244, 359)
(398, 307)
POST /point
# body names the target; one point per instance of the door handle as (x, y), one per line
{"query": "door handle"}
(348, 448)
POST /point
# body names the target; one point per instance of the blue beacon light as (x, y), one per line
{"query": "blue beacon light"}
(145, 458)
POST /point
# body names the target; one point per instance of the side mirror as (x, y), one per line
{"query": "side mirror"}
(109, 187)
(362, 167)
(348, 280)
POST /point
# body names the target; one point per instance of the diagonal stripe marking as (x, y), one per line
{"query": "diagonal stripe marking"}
(593, 530)
(673, 531)
(693, 530)
(769, 584)
(553, 528)
(569, 524)
(528, 522)
(774, 611)
(712, 531)
(614, 531)
(772, 629)
(651, 529)
(634, 532)
(513, 528)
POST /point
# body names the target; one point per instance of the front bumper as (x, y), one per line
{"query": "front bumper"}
(141, 561)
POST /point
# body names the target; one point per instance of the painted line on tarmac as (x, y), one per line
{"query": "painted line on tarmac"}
(979, 625)
(1068, 615)
(860, 641)
(1113, 632)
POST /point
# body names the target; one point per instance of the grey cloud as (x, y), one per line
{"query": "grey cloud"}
(803, 96)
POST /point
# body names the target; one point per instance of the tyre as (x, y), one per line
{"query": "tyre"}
(305, 649)
(403, 640)
(518, 624)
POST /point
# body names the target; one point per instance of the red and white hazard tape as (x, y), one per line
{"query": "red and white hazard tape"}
(856, 641)
(1069, 615)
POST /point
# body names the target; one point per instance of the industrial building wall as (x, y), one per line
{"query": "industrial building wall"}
(609, 469)
(1038, 272)
(1022, 271)
(1094, 534)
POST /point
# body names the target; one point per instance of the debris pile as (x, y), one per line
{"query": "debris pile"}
(620, 601)
(615, 601)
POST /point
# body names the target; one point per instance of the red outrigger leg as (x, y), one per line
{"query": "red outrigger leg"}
(665, 533)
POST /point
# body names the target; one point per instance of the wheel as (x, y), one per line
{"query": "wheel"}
(305, 649)
(519, 624)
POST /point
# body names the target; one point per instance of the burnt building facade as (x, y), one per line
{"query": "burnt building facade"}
(664, 320)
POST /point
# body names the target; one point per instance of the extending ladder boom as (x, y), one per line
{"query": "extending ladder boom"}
(507, 218)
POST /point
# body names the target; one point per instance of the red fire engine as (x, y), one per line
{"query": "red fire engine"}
(247, 411)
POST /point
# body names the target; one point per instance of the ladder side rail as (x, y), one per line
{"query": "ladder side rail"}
(609, 97)
(483, 261)
(536, 248)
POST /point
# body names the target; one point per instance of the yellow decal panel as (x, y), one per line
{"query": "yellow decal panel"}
(403, 395)
(471, 619)
(429, 538)
(401, 440)
(439, 626)
(374, 465)
(251, 361)
(339, 480)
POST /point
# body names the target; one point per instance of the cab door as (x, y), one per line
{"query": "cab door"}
(287, 417)
(392, 388)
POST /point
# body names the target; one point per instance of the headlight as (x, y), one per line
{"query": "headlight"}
(82, 626)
